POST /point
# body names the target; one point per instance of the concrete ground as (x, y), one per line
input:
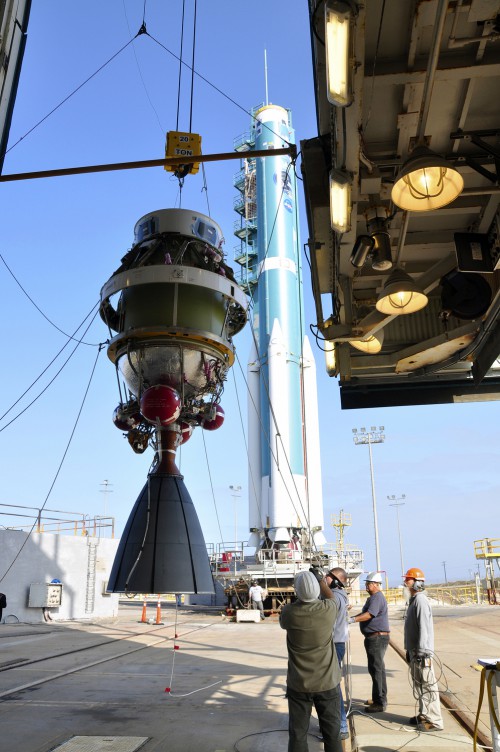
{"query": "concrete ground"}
(462, 635)
(227, 684)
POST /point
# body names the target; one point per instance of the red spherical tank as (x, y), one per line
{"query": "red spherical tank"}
(213, 423)
(126, 417)
(161, 405)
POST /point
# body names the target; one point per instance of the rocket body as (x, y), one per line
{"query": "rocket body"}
(283, 415)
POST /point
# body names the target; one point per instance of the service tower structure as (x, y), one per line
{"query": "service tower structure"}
(285, 491)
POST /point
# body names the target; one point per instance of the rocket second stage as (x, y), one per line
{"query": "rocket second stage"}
(284, 459)
(283, 500)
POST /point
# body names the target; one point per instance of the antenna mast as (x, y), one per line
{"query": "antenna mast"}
(265, 75)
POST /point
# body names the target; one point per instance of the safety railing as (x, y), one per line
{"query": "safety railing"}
(454, 595)
(487, 548)
(56, 521)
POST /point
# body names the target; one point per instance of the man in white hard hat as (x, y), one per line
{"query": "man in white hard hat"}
(419, 646)
(374, 624)
(313, 675)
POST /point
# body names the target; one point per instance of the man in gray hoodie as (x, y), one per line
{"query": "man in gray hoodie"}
(313, 670)
(419, 646)
(336, 579)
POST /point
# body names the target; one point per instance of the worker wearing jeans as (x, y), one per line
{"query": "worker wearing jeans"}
(255, 594)
(374, 624)
(313, 675)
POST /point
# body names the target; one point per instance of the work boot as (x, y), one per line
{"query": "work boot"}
(374, 708)
(416, 719)
(427, 726)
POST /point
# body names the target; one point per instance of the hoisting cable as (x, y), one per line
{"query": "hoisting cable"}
(256, 496)
(268, 442)
(216, 88)
(142, 30)
(139, 67)
(180, 66)
(60, 464)
(266, 386)
(53, 379)
(301, 364)
(192, 69)
(70, 336)
(212, 489)
(205, 186)
(46, 367)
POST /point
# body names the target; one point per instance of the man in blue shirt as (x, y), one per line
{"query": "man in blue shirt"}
(374, 624)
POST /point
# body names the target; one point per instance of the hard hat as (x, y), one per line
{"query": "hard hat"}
(374, 577)
(414, 574)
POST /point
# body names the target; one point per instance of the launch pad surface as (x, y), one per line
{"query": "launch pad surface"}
(107, 681)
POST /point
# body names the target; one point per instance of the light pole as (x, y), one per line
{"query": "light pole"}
(373, 436)
(106, 490)
(236, 495)
(445, 577)
(397, 501)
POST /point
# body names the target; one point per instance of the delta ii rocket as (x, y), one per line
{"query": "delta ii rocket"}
(285, 489)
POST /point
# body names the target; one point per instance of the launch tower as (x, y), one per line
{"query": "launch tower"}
(285, 492)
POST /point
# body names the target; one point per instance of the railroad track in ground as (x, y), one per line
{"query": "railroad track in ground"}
(158, 639)
(450, 704)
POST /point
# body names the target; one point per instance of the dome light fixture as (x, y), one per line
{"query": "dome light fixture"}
(400, 294)
(426, 182)
(371, 345)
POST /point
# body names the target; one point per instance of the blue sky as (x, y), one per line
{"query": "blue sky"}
(63, 238)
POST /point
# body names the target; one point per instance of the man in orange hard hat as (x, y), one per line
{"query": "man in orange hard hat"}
(419, 646)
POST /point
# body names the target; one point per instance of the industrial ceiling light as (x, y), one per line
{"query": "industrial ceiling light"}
(362, 247)
(377, 218)
(371, 345)
(400, 294)
(426, 182)
(340, 201)
(337, 28)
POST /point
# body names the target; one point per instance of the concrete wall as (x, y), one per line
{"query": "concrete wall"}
(41, 557)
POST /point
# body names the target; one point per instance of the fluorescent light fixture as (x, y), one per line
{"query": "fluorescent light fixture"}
(400, 295)
(337, 33)
(426, 182)
(331, 364)
(340, 201)
(371, 344)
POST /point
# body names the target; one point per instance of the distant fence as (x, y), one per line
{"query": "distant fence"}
(450, 595)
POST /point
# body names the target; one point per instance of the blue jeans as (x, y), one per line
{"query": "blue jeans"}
(299, 709)
(260, 606)
(375, 650)
(340, 648)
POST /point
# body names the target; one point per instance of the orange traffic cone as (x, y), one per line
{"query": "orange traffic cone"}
(144, 618)
(158, 612)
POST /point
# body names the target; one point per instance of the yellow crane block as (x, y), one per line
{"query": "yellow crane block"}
(187, 145)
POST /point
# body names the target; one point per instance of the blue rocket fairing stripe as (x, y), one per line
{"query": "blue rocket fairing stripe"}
(279, 293)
